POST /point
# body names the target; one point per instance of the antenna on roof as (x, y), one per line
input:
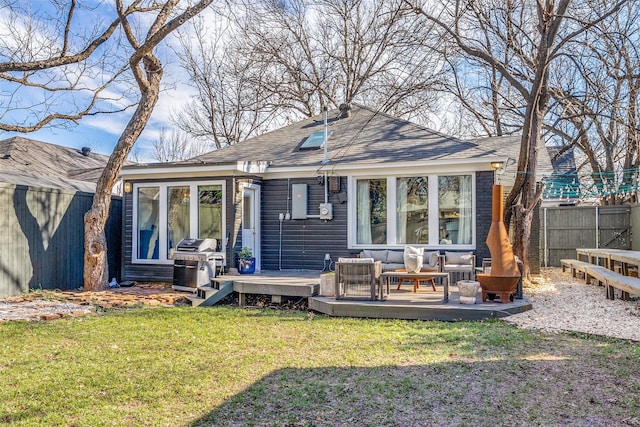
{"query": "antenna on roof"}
(326, 153)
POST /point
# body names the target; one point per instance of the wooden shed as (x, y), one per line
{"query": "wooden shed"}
(45, 191)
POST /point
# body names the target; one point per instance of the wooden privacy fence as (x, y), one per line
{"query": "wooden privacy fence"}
(563, 229)
(42, 238)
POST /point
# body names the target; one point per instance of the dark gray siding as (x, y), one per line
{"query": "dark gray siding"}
(484, 183)
(304, 241)
(164, 272)
(42, 238)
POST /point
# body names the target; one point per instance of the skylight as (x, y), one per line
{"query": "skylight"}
(314, 141)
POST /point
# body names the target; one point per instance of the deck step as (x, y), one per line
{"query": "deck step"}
(208, 296)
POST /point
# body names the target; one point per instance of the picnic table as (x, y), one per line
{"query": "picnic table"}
(593, 255)
(626, 259)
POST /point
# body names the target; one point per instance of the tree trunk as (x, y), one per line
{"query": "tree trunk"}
(95, 258)
(522, 229)
(96, 268)
(147, 70)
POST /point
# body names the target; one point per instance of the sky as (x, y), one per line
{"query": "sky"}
(101, 132)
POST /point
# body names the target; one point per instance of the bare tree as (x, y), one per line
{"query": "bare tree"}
(147, 71)
(518, 41)
(66, 64)
(275, 62)
(230, 104)
(596, 96)
(176, 146)
(55, 68)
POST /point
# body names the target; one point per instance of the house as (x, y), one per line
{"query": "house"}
(379, 182)
(45, 190)
(562, 187)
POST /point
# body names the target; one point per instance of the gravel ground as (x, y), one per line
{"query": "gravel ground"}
(40, 309)
(563, 303)
(560, 303)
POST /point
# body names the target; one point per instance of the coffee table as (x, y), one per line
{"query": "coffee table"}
(385, 279)
(416, 281)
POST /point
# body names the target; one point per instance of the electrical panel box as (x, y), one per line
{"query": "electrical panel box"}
(326, 211)
(334, 184)
(299, 201)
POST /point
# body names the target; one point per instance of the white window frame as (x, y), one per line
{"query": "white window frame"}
(162, 217)
(434, 221)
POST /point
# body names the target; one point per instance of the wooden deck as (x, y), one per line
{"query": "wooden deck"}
(400, 304)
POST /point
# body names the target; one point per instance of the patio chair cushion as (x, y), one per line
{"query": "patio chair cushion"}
(431, 258)
(460, 262)
(458, 257)
(356, 260)
(380, 255)
(395, 257)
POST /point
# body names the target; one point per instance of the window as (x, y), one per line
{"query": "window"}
(372, 211)
(314, 141)
(210, 212)
(148, 218)
(164, 214)
(426, 210)
(455, 209)
(178, 223)
(412, 210)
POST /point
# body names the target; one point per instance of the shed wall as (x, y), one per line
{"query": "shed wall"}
(42, 238)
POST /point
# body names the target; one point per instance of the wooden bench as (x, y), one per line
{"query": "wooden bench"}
(575, 265)
(610, 279)
(626, 284)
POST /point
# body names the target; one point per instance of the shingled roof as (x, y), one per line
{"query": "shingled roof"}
(509, 148)
(366, 137)
(25, 161)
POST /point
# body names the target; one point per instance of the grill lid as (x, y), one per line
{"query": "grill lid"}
(197, 245)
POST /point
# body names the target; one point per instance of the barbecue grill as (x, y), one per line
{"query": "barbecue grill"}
(195, 263)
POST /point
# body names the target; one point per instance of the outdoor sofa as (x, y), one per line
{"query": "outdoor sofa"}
(460, 264)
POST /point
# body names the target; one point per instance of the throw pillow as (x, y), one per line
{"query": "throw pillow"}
(458, 257)
(413, 259)
(431, 258)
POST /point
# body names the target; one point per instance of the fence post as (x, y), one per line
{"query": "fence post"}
(597, 227)
(544, 240)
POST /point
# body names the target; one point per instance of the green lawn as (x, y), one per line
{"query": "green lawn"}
(229, 366)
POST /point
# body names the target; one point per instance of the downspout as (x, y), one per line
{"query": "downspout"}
(281, 218)
(326, 191)
(326, 150)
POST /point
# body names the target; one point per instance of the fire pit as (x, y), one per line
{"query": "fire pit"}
(505, 274)
(502, 286)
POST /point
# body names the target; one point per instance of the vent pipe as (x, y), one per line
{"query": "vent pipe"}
(85, 151)
(345, 110)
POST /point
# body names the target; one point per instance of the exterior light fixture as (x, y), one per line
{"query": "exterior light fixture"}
(127, 187)
(498, 168)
